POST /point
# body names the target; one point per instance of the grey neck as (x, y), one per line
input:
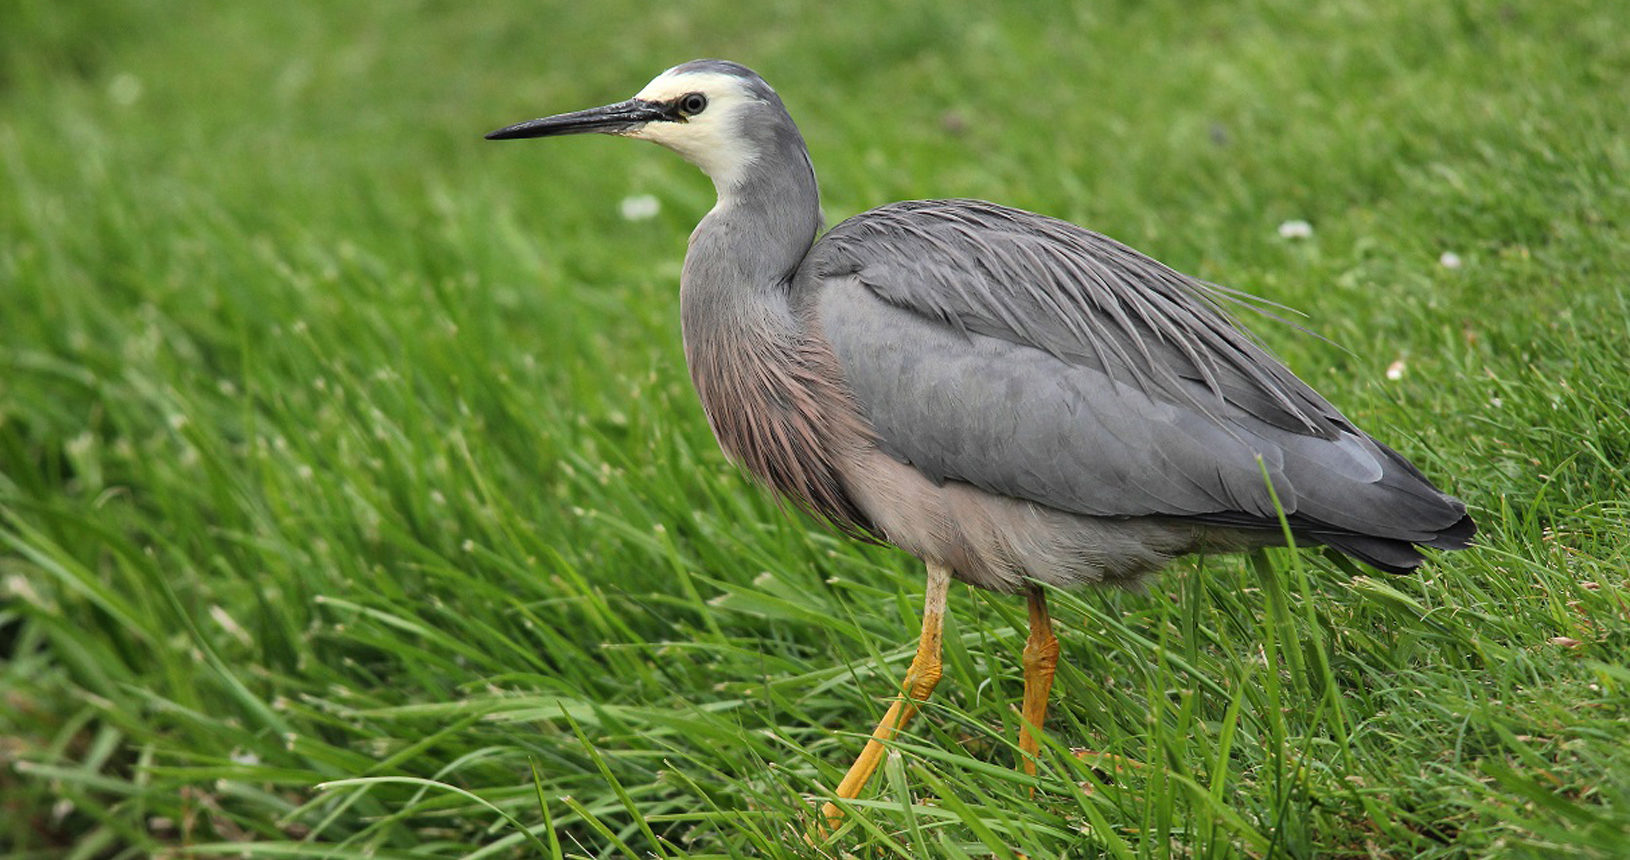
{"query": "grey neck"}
(744, 252)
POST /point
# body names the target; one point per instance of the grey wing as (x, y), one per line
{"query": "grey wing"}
(1035, 359)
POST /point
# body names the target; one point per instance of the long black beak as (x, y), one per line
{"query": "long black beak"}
(612, 119)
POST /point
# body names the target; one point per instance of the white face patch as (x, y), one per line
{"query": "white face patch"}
(709, 139)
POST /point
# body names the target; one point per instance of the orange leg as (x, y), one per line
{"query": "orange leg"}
(921, 678)
(1040, 659)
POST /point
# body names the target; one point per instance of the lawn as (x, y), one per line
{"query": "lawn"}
(354, 501)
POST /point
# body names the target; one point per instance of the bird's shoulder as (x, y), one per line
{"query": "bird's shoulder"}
(956, 227)
(1086, 299)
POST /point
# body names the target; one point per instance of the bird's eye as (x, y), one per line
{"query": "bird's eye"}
(692, 104)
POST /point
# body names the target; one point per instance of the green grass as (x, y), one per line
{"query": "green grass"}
(354, 501)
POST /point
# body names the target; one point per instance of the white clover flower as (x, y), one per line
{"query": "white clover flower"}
(639, 207)
(1297, 229)
(125, 89)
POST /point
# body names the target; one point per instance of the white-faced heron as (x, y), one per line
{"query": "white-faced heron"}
(1012, 399)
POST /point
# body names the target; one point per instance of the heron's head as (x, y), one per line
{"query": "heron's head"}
(719, 115)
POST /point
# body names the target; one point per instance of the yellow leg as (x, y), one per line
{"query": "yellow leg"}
(921, 678)
(1040, 659)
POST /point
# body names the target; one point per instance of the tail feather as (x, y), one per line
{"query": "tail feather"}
(1391, 556)
(1457, 536)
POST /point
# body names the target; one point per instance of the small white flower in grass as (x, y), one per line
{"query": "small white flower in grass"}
(1449, 260)
(240, 756)
(124, 89)
(1297, 229)
(639, 207)
(1395, 370)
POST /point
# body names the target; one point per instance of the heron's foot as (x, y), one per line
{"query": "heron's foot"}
(920, 681)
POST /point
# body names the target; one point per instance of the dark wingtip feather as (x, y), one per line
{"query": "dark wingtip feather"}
(1457, 536)
(1400, 556)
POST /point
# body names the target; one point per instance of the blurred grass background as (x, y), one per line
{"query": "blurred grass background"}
(338, 445)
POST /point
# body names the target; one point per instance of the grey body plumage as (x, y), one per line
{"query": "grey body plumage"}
(1009, 397)
(1037, 360)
